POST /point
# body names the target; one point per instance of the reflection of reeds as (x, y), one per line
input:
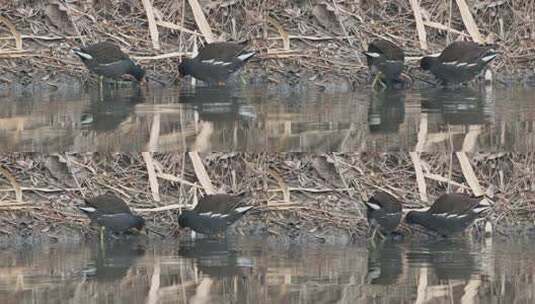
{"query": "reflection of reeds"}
(316, 125)
(302, 275)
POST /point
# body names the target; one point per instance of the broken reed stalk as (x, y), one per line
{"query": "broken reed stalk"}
(153, 29)
(153, 180)
(201, 21)
(14, 183)
(283, 186)
(420, 178)
(422, 35)
(176, 27)
(469, 174)
(468, 21)
(201, 173)
(14, 32)
(154, 291)
(282, 32)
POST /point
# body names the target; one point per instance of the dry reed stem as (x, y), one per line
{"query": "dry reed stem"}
(422, 35)
(440, 26)
(201, 173)
(154, 291)
(468, 21)
(282, 32)
(176, 179)
(14, 32)
(160, 209)
(176, 27)
(153, 180)
(153, 29)
(14, 183)
(283, 186)
(469, 174)
(420, 179)
(162, 56)
(201, 21)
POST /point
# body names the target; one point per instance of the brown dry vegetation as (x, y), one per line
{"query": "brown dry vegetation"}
(321, 40)
(297, 196)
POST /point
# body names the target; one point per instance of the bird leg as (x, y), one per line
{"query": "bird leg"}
(373, 233)
(101, 236)
(372, 238)
(381, 235)
(378, 79)
(100, 87)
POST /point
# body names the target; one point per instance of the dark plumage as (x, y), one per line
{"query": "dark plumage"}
(387, 58)
(383, 212)
(450, 214)
(459, 62)
(213, 213)
(113, 213)
(216, 62)
(106, 59)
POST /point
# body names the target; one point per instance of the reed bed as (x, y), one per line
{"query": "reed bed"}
(298, 196)
(318, 40)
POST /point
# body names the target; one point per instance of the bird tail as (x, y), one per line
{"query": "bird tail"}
(239, 212)
(372, 205)
(87, 210)
(246, 56)
(372, 54)
(82, 54)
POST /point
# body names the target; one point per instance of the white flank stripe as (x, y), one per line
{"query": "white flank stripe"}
(462, 64)
(206, 213)
(246, 56)
(88, 209)
(480, 209)
(373, 206)
(489, 57)
(471, 65)
(243, 209)
(215, 215)
(434, 55)
(210, 61)
(372, 54)
(451, 63)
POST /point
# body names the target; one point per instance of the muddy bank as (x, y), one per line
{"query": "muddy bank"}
(298, 198)
(297, 41)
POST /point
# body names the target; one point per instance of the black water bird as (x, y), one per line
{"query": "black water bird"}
(214, 213)
(216, 61)
(450, 214)
(459, 62)
(383, 212)
(106, 59)
(112, 213)
(386, 61)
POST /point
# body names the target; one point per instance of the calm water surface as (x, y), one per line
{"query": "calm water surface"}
(264, 119)
(248, 272)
